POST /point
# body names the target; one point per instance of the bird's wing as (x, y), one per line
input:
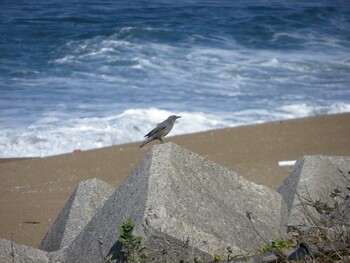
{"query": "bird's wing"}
(158, 128)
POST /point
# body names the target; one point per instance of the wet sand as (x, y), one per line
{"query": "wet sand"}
(33, 191)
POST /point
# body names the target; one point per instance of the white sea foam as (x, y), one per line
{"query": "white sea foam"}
(54, 135)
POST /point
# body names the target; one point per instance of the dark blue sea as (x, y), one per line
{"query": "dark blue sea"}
(86, 74)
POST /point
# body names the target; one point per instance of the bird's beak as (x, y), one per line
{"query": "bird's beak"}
(178, 117)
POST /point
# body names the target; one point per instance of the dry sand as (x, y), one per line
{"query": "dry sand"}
(33, 191)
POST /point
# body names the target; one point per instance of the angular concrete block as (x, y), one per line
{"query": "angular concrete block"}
(184, 206)
(313, 178)
(87, 198)
(13, 252)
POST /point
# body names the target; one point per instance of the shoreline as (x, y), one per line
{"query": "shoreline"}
(36, 189)
(81, 148)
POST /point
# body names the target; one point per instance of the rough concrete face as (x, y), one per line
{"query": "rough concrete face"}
(87, 198)
(207, 204)
(313, 178)
(184, 206)
(127, 201)
(13, 252)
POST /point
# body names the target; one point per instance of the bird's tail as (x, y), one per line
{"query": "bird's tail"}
(146, 141)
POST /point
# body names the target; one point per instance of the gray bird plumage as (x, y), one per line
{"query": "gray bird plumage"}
(161, 130)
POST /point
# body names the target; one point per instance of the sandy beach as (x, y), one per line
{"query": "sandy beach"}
(33, 191)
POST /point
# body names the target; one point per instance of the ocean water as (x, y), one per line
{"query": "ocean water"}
(86, 74)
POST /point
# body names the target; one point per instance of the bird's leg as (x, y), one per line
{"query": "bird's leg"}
(161, 140)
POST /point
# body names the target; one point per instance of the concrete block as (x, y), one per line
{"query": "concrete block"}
(11, 252)
(184, 206)
(313, 178)
(87, 198)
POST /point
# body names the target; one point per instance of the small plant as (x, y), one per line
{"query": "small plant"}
(217, 258)
(229, 251)
(276, 245)
(132, 247)
(327, 222)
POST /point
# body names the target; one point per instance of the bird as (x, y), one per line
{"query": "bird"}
(161, 130)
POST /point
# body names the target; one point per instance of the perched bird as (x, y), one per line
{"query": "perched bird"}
(161, 130)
